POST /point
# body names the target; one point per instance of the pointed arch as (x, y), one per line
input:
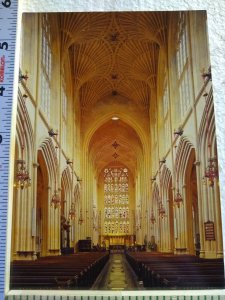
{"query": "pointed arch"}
(166, 178)
(186, 185)
(209, 200)
(48, 219)
(22, 197)
(181, 161)
(49, 154)
(66, 192)
(24, 134)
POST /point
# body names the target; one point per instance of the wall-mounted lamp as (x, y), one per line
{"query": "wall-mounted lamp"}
(207, 75)
(153, 179)
(162, 161)
(22, 76)
(52, 133)
(69, 162)
(179, 131)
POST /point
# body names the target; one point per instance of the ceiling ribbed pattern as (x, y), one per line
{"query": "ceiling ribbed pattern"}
(94, 90)
(90, 60)
(138, 60)
(82, 28)
(145, 25)
(107, 49)
(135, 90)
(102, 150)
(114, 61)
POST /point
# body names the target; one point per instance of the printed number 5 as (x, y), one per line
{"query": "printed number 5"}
(4, 46)
(6, 3)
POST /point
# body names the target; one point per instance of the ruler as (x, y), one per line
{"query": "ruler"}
(8, 24)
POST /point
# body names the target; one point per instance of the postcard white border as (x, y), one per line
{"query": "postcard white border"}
(216, 29)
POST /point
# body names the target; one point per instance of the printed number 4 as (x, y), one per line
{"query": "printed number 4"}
(6, 3)
(1, 90)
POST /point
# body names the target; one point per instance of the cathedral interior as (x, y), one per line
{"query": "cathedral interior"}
(116, 174)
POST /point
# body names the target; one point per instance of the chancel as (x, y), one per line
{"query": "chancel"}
(116, 182)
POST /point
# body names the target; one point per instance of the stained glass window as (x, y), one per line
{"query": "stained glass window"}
(183, 65)
(46, 66)
(116, 201)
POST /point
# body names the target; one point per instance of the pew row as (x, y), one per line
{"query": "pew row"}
(176, 271)
(76, 271)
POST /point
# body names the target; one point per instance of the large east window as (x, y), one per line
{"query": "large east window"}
(116, 201)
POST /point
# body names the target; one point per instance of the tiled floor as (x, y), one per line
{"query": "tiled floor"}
(117, 275)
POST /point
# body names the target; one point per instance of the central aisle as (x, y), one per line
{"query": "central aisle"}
(116, 275)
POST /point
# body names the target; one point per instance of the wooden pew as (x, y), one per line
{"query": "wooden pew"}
(177, 271)
(72, 271)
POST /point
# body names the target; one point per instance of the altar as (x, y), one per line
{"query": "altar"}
(117, 240)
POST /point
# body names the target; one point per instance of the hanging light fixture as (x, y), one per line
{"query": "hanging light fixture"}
(152, 218)
(162, 211)
(95, 218)
(81, 220)
(211, 171)
(178, 198)
(22, 177)
(56, 200)
(72, 212)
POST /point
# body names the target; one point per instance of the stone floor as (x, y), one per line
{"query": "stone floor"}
(116, 275)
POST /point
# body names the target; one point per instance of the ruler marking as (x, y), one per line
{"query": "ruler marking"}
(8, 22)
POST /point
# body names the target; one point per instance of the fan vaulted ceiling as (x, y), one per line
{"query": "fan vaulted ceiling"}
(113, 55)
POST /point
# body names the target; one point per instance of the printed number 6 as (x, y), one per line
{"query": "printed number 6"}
(6, 3)
(0, 138)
